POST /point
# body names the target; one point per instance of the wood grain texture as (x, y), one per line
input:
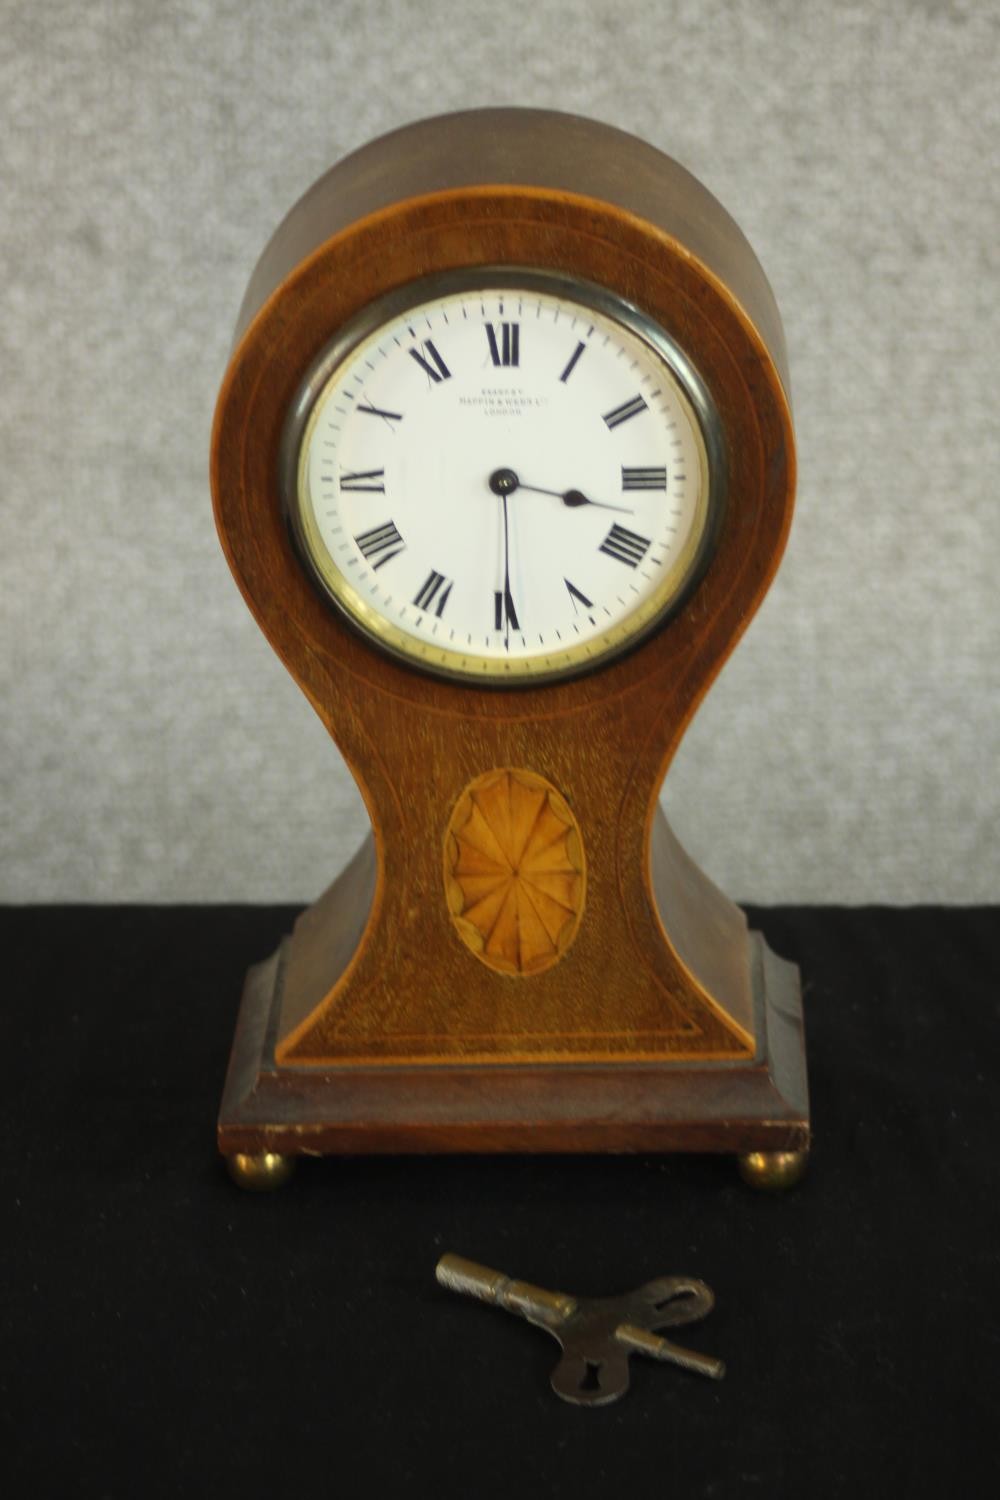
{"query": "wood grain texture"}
(411, 992)
(758, 1105)
(526, 148)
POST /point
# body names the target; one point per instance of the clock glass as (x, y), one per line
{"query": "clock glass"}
(503, 476)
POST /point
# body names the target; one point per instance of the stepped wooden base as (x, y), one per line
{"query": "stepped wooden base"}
(754, 1108)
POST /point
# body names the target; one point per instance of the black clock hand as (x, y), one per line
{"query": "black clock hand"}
(504, 482)
(575, 498)
(510, 618)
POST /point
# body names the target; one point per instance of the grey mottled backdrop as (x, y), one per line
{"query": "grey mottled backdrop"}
(153, 748)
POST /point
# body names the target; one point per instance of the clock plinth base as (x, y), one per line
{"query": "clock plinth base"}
(757, 1110)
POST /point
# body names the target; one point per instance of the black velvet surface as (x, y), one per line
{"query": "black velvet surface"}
(163, 1334)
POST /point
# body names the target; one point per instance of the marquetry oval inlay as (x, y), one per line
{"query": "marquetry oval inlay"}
(514, 871)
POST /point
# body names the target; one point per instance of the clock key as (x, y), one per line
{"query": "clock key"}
(597, 1334)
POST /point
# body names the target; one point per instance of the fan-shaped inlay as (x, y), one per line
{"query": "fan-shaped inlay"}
(514, 871)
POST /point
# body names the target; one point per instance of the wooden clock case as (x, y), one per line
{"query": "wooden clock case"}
(666, 1025)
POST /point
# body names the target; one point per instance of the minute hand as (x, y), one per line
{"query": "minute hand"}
(574, 498)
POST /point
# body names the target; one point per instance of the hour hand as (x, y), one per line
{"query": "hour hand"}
(574, 498)
(505, 481)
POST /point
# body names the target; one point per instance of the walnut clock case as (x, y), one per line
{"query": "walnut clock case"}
(503, 465)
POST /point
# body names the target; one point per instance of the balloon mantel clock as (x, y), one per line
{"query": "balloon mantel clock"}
(503, 465)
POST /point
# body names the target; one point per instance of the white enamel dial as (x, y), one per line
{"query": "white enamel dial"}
(505, 481)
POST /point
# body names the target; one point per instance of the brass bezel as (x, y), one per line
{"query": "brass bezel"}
(466, 666)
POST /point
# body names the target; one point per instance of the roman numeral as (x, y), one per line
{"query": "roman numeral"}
(625, 546)
(437, 371)
(376, 411)
(572, 362)
(644, 479)
(384, 540)
(507, 350)
(622, 413)
(431, 588)
(504, 612)
(574, 594)
(365, 481)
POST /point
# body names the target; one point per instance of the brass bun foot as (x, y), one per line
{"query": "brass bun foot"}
(261, 1172)
(773, 1171)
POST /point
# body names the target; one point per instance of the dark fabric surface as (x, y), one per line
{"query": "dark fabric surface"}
(163, 1334)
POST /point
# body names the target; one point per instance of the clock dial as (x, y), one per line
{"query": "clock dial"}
(503, 481)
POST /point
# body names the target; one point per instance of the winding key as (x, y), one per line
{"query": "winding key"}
(597, 1334)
